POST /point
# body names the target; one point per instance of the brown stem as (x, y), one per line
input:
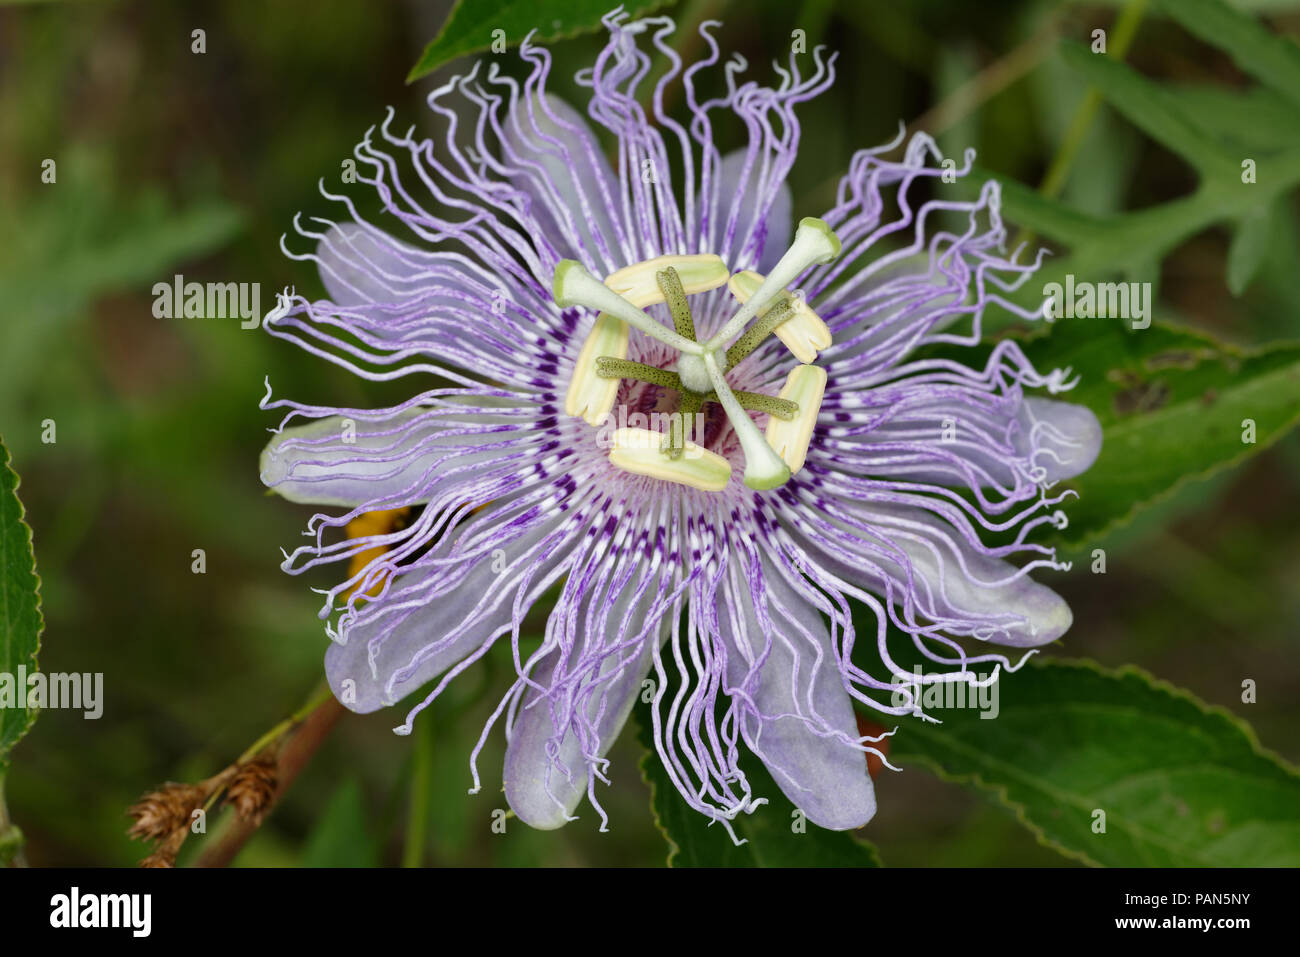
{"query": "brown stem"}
(294, 754)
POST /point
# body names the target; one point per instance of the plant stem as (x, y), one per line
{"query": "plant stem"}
(1125, 30)
(314, 702)
(318, 719)
(11, 838)
(1126, 26)
(421, 788)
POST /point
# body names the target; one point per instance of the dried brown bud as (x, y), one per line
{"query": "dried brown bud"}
(252, 789)
(164, 854)
(161, 812)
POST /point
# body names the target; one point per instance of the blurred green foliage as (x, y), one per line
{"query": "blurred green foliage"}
(170, 161)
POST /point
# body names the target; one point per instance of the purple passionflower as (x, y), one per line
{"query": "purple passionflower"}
(560, 306)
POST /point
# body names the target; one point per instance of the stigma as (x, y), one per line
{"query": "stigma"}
(699, 374)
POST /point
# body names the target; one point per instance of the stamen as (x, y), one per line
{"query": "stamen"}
(804, 333)
(674, 442)
(640, 451)
(608, 367)
(763, 467)
(639, 284)
(670, 284)
(806, 385)
(575, 286)
(814, 242)
(590, 395)
(758, 402)
(772, 319)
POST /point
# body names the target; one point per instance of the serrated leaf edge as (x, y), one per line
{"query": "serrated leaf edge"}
(999, 791)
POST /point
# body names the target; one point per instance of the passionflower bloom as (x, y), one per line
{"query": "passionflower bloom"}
(701, 434)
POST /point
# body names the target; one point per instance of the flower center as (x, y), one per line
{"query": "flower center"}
(699, 373)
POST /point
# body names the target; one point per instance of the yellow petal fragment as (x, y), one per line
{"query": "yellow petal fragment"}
(790, 437)
(366, 524)
(641, 451)
(590, 395)
(803, 333)
(638, 285)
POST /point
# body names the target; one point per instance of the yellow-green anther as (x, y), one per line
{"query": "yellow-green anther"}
(805, 386)
(814, 242)
(770, 320)
(804, 333)
(675, 441)
(763, 467)
(608, 367)
(670, 284)
(640, 451)
(758, 402)
(575, 286)
(639, 284)
(590, 395)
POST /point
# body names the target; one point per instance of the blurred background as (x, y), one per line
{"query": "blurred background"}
(174, 162)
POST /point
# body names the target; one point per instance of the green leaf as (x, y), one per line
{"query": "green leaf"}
(775, 835)
(1214, 130)
(341, 837)
(1172, 403)
(1181, 783)
(1148, 106)
(1127, 244)
(20, 605)
(1271, 59)
(1246, 122)
(473, 27)
(1249, 247)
